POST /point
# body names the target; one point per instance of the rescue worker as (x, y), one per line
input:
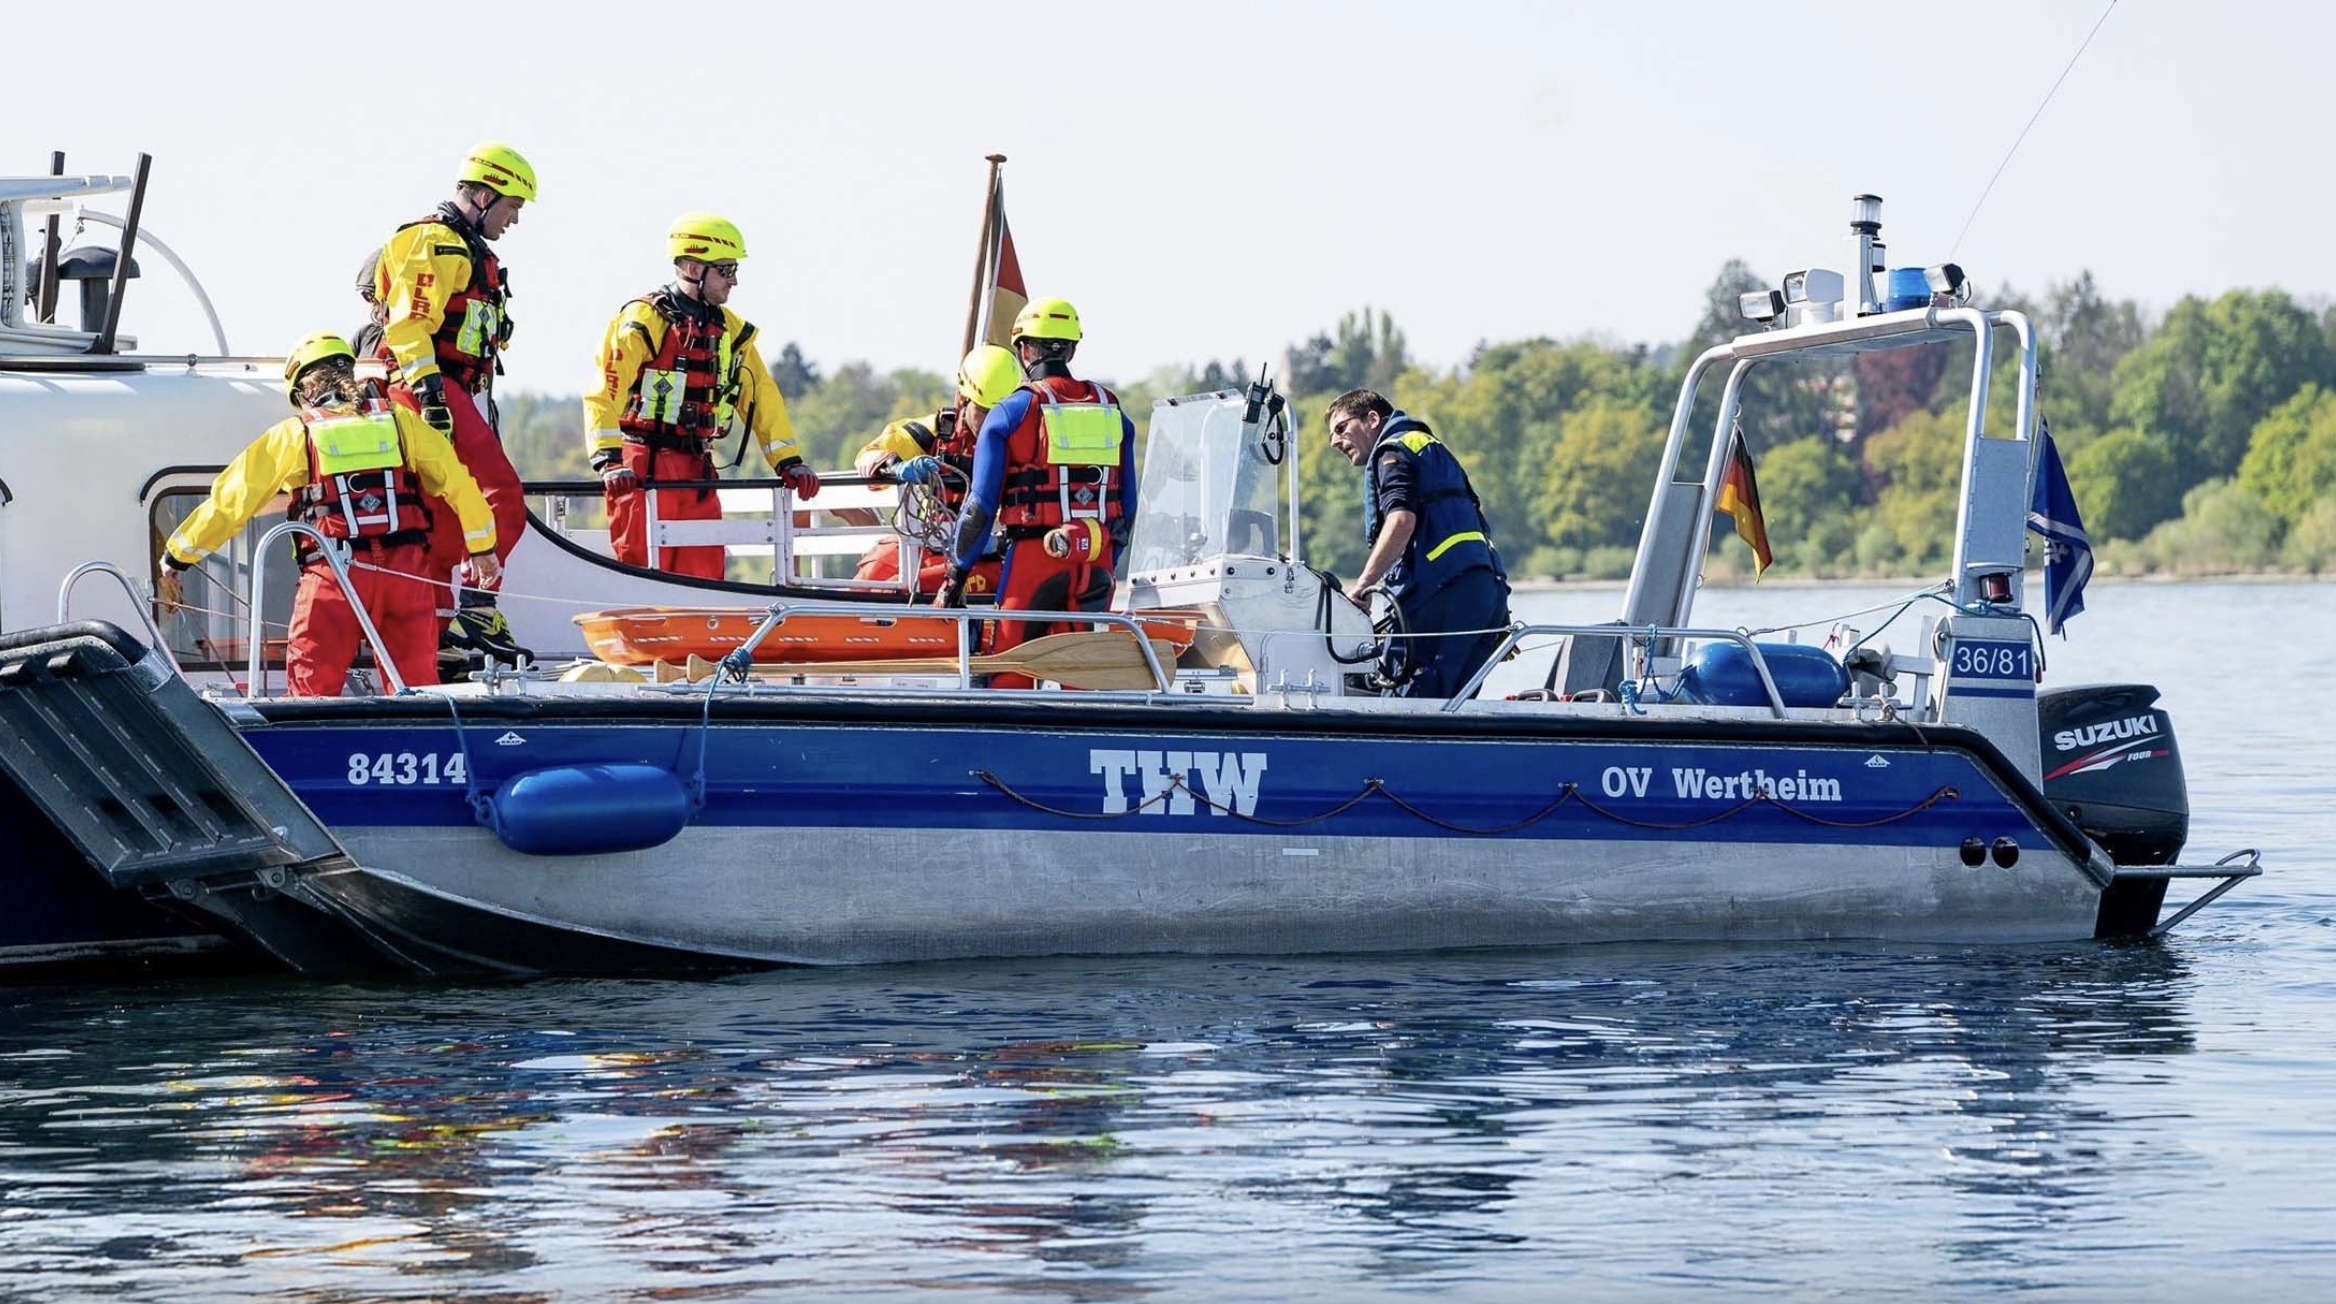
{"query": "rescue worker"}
(1430, 545)
(445, 293)
(358, 469)
(675, 366)
(937, 452)
(367, 340)
(1054, 472)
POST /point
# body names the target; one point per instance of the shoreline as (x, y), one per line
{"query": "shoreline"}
(1547, 585)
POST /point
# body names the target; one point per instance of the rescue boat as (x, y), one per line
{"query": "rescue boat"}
(1251, 792)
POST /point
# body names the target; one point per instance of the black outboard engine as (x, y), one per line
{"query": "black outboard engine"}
(2111, 765)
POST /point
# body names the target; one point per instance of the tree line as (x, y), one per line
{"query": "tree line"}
(2199, 442)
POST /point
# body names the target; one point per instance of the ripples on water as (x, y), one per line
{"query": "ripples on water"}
(2072, 1122)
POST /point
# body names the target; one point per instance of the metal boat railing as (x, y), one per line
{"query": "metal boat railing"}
(332, 556)
(741, 658)
(1519, 632)
(139, 603)
(759, 527)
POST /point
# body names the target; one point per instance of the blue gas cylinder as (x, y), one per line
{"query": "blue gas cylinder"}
(582, 810)
(1722, 674)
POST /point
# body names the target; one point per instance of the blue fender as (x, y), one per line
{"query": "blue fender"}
(1721, 674)
(582, 810)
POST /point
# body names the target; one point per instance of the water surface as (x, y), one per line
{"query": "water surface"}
(2077, 1121)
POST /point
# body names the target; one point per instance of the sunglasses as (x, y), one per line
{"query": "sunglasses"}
(727, 269)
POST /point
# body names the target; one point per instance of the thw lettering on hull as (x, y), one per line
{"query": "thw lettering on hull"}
(1166, 781)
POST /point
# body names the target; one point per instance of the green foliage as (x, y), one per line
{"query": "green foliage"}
(2223, 529)
(2206, 444)
(2214, 370)
(2311, 542)
(2083, 336)
(1595, 483)
(1809, 493)
(2125, 482)
(543, 434)
(2291, 460)
(848, 409)
(1919, 463)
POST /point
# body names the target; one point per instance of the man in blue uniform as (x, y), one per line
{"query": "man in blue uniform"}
(1430, 545)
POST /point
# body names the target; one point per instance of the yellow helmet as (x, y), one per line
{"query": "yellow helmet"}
(705, 237)
(501, 169)
(988, 375)
(1047, 319)
(312, 349)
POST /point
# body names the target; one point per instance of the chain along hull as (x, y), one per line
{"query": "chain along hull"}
(844, 836)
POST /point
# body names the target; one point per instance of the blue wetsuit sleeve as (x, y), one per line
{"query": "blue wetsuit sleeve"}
(989, 474)
(1127, 473)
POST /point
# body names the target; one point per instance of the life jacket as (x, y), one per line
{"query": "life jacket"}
(1450, 537)
(1062, 459)
(476, 325)
(687, 390)
(359, 486)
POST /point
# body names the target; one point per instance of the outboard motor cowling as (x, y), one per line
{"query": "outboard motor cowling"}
(2111, 765)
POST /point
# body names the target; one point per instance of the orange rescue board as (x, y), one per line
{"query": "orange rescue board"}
(637, 636)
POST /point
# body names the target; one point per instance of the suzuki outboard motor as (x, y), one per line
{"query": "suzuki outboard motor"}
(2111, 765)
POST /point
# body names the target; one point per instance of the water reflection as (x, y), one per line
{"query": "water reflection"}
(1657, 1117)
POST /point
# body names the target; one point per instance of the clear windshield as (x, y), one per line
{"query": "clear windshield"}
(1207, 489)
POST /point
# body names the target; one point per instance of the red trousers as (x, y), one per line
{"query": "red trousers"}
(628, 512)
(1030, 580)
(400, 593)
(481, 452)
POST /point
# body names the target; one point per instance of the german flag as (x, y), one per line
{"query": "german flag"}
(1740, 500)
(1007, 295)
(998, 294)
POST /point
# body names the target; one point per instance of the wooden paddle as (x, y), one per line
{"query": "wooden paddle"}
(1104, 660)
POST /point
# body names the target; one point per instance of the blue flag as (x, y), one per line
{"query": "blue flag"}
(2068, 554)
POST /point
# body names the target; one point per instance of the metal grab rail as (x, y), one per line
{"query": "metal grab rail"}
(741, 658)
(2249, 865)
(1518, 632)
(332, 557)
(142, 603)
(780, 518)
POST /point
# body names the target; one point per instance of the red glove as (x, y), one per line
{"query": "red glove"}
(801, 479)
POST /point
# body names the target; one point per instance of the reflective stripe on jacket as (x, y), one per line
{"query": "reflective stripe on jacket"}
(446, 295)
(670, 383)
(1450, 537)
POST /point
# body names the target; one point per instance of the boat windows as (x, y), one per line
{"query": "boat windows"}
(212, 630)
(1207, 488)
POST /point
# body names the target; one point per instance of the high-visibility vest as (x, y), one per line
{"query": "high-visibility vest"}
(1063, 459)
(359, 486)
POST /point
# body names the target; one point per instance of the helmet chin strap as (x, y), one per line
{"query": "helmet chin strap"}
(696, 284)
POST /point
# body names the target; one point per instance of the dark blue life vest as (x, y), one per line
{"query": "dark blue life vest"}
(1451, 537)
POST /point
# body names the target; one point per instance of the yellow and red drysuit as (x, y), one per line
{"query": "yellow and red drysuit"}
(445, 292)
(673, 372)
(360, 475)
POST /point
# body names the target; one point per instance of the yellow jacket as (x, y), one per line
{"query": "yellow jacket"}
(277, 462)
(420, 266)
(634, 335)
(906, 438)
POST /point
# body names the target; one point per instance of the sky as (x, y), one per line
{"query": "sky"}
(1203, 180)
